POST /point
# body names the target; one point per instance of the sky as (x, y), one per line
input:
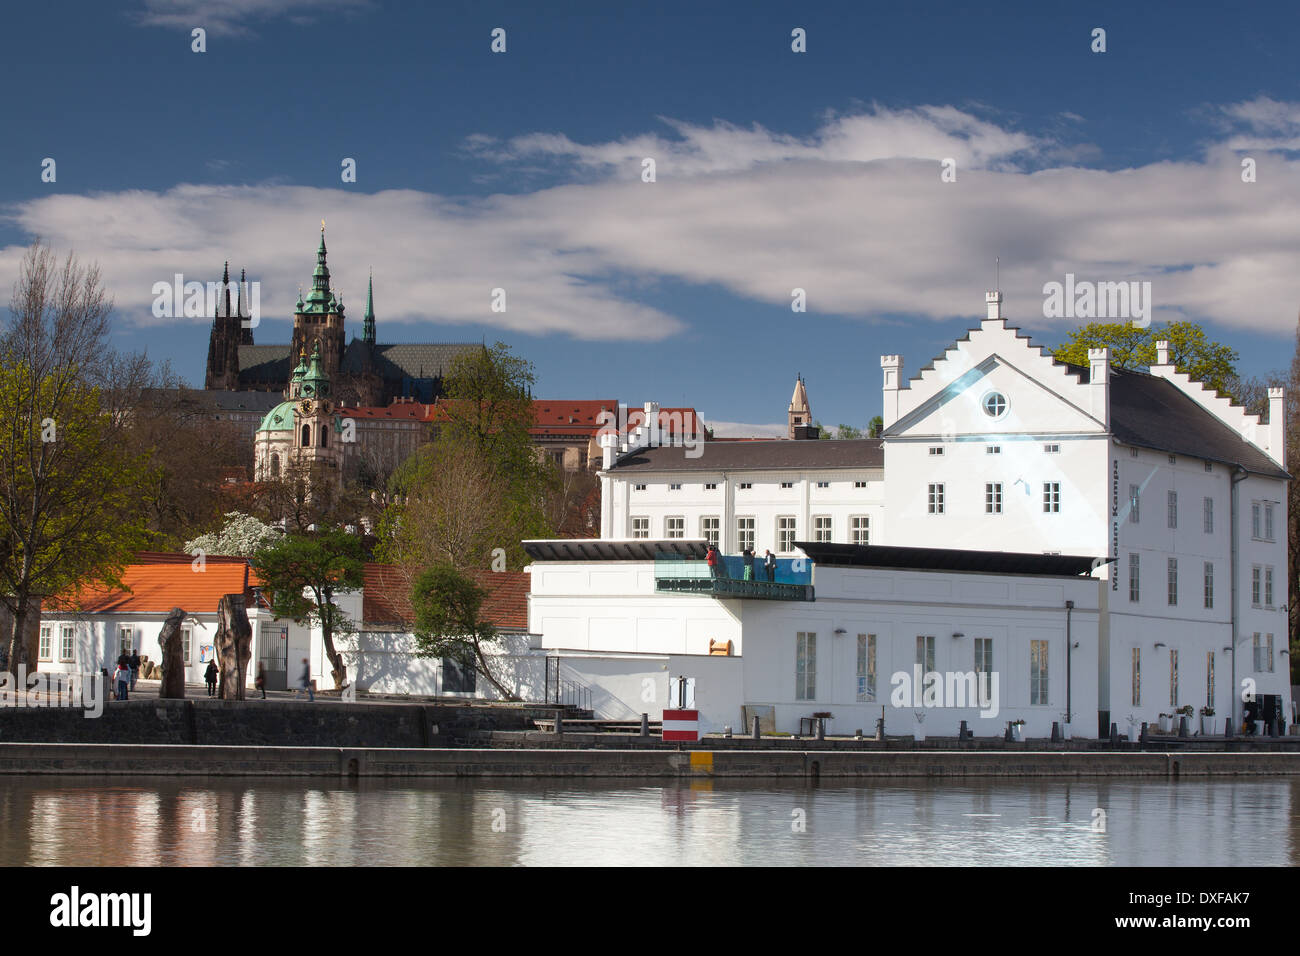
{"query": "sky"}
(882, 171)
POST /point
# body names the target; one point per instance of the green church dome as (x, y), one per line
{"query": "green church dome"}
(278, 419)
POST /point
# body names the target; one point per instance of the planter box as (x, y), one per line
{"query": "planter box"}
(1134, 732)
(1207, 726)
(1018, 732)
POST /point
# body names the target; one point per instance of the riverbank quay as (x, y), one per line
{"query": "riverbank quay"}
(647, 763)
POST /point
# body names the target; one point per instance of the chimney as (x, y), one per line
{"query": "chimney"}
(608, 444)
(1162, 352)
(1277, 425)
(651, 423)
(892, 369)
(1099, 384)
(994, 302)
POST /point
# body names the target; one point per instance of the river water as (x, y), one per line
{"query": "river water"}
(87, 821)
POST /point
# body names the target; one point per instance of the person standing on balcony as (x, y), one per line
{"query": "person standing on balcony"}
(714, 561)
(769, 565)
(749, 564)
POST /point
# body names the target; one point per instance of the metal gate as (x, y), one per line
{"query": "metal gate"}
(273, 657)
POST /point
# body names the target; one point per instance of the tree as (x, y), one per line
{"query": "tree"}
(875, 427)
(449, 620)
(241, 535)
(1135, 348)
(304, 573)
(70, 484)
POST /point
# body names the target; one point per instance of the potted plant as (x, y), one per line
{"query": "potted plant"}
(1018, 729)
(1207, 721)
(1164, 722)
(1134, 728)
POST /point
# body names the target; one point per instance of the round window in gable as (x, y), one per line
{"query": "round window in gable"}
(995, 404)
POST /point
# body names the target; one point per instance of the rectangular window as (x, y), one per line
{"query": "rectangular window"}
(1263, 653)
(993, 498)
(1173, 678)
(1172, 576)
(187, 638)
(936, 449)
(125, 640)
(1207, 516)
(45, 649)
(1209, 678)
(1268, 586)
(638, 487)
(1173, 460)
(859, 484)
(860, 529)
(66, 647)
(710, 486)
(925, 653)
(935, 503)
(823, 484)
(1132, 452)
(1038, 673)
(1134, 501)
(457, 678)
(1051, 496)
(1268, 521)
(744, 534)
(785, 529)
(1254, 519)
(805, 666)
(1209, 467)
(1137, 677)
(675, 486)
(992, 449)
(984, 668)
(674, 527)
(1209, 585)
(1134, 578)
(1173, 509)
(821, 527)
(866, 667)
(640, 527)
(1255, 580)
(746, 485)
(1052, 449)
(711, 529)
(787, 484)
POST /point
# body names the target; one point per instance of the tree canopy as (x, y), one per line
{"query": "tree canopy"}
(1190, 350)
(449, 620)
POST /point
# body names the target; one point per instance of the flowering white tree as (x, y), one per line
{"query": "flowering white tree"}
(240, 536)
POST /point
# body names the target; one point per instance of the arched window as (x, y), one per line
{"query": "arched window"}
(275, 466)
(324, 436)
(306, 436)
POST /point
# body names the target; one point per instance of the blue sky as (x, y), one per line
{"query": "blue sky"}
(775, 170)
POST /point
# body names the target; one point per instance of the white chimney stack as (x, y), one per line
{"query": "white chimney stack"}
(1277, 425)
(994, 302)
(892, 369)
(1099, 384)
(651, 422)
(1162, 352)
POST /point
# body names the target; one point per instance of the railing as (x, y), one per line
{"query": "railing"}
(564, 692)
(791, 579)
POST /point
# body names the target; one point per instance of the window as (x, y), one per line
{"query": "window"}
(936, 449)
(1171, 574)
(925, 654)
(1134, 500)
(1268, 586)
(457, 678)
(187, 638)
(823, 484)
(994, 404)
(45, 650)
(984, 670)
(124, 640)
(746, 485)
(275, 466)
(935, 504)
(1173, 678)
(1173, 509)
(867, 667)
(1051, 496)
(860, 529)
(744, 534)
(1134, 578)
(785, 533)
(859, 484)
(66, 647)
(1209, 467)
(787, 484)
(1209, 585)
(821, 527)
(992, 449)
(1263, 653)
(1254, 519)
(1268, 521)
(1053, 448)
(711, 529)
(805, 666)
(1207, 516)
(1037, 673)
(1255, 578)
(993, 498)
(1209, 678)
(1173, 460)
(1132, 452)
(640, 527)
(638, 487)
(1137, 677)
(675, 486)
(306, 436)
(710, 486)
(674, 527)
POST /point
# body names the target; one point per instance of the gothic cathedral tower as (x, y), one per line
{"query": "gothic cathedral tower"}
(227, 335)
(318, 322)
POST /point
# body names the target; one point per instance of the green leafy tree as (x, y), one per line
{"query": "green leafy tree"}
(304, 573)
(70, 485)
(875, 427)
(449, 620)
(1135, 348)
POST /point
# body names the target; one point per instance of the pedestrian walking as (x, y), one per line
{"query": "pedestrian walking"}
(260, 682)
(122, 678)
(305, 681)
(769, 565)
(134, 664)
(210, 675)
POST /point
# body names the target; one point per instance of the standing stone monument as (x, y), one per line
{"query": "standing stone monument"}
(173, 662)
(234, 646)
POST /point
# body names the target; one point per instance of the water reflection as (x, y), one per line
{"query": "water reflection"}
(54, 821)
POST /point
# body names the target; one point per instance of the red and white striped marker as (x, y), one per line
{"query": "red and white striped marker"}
(681, 725)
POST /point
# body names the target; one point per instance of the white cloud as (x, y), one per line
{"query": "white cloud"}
(743, 430)
(855, 214)
(235, 17)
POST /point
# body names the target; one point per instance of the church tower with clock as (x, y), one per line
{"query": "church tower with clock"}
(304, 428)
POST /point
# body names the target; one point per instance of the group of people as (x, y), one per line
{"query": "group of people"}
(127, 673)
(718, 567)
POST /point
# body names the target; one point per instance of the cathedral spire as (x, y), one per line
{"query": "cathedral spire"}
(225, 293)
(319, 299)
(368, 327)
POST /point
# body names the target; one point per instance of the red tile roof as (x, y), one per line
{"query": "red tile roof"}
(160, 581)
(387, 596)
